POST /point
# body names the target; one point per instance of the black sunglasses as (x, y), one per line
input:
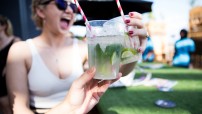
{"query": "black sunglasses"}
(62, 5)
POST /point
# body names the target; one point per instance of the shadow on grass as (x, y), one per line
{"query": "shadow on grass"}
(187, 94)
(140, 100)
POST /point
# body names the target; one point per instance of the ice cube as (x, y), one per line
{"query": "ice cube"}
(115, 26)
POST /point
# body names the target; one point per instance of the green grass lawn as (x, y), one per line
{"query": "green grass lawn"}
(187, 94)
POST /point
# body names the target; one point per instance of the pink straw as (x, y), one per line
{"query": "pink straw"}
(120, 9)
(82, 13)
(121, 12)
(123, 17)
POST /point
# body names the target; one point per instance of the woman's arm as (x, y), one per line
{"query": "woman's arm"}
(16, 78)
(83, 95)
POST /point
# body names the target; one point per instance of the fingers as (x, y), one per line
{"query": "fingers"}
(118, 77)
(85, 78)
(135, 19)
(104, 85)
(141, 33)
(143, 43)
(134, 22)
(108, 82)
(135, 15)
(136, 28)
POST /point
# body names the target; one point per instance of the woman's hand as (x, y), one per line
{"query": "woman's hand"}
(137, 29)
(86, 92)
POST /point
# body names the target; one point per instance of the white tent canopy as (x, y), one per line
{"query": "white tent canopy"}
(78, 30)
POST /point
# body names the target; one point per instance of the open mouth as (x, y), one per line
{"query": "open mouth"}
(64, 23)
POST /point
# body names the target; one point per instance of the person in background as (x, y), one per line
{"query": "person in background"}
(6, 40)
(183, 49)
(148, 54)
(48, 76)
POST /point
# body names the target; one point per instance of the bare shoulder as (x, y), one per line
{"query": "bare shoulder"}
(19, 49)
(19, 45)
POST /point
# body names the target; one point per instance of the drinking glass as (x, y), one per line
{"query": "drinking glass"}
(104, 49)
(109, 47)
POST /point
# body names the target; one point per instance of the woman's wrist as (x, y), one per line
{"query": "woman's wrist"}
(66, 107)
(63, 108)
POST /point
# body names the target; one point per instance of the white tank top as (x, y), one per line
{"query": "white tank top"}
(46, 89)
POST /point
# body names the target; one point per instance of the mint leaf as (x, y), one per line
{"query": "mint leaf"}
(113, 48)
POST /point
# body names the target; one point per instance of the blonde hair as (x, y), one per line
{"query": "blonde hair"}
(35, 5)
(4, 21)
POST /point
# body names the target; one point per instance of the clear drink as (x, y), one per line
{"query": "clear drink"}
(109, 46)
(129, 52)
(104, 50)
(105, 56)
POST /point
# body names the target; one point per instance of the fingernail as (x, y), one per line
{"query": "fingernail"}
(130, 32)
(127, 21)
(91, 70)
(139, 50)
(131, 14)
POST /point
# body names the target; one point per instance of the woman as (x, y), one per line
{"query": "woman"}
(6, 40)
(42, 76)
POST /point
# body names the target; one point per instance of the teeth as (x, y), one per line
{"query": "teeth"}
(67, 17)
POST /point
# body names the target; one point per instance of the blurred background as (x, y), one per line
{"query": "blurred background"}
(164, 19)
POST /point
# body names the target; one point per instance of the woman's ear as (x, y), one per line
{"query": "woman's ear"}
(40, 13)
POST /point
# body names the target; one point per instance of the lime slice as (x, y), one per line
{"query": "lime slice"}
(130, 49)
(114, 58)
(127, 54)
